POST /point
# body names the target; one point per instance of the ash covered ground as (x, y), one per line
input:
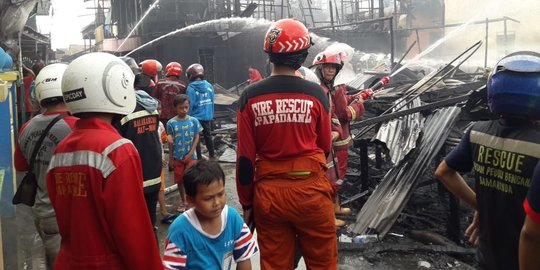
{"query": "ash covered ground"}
(422, 222)
(425, 215)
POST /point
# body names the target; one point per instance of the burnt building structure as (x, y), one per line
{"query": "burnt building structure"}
(378, 26)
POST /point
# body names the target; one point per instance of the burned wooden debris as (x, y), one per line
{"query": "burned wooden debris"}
(377, 187)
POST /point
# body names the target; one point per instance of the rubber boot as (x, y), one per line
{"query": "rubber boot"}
(338, 210)
(339, 222)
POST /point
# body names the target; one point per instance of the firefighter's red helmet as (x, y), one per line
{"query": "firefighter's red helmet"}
(328, 58)
(150, 67)
(286, 36)
(195, 71)
(173, 69)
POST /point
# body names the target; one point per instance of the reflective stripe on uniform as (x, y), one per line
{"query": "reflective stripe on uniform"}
(506, 144)
(299, 173)
(343, 142)
(353, 112)
(151, 182)
(330, 164)
(99, 161)
(136, 115)
(336, 121)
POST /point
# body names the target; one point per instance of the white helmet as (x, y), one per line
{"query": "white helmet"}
(99, 82)
(49, 82)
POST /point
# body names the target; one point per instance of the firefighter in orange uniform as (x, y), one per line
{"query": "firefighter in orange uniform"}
(283, 136)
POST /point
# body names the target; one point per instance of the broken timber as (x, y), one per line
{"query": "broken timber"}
(426, 107)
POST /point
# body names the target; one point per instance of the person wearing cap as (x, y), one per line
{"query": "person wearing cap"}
(49, 95)
(95, 176)
(283, 125)
(502, 154)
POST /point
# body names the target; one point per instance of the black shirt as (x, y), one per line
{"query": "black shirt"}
(502, 155)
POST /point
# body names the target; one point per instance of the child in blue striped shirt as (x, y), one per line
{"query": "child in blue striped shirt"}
(211, 234)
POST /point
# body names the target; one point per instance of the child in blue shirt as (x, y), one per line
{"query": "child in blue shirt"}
(211, 234)
(201, 106)
(183, 136)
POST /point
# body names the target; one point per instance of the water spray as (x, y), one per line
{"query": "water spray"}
(139, 22)
(471, 50)
(365, 94)
(442, 40)
(234, 24)
(243, 24)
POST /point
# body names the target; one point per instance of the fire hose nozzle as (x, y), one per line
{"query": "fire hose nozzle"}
(385, 80)
(381, 83)
(365, 94)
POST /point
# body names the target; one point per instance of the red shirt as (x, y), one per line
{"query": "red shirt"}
(532, 202)
(27, 82)
(95, 185)
(165, 91)
(280, 118)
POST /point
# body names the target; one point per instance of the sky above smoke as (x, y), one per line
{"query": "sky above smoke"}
(66, 21)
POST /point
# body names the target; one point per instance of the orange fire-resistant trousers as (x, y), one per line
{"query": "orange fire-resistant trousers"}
(290, 208)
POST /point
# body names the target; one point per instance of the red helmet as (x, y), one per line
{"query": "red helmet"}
(173, 69)
(286, 36)
(195, 71)
(150, 67)
(328, 58)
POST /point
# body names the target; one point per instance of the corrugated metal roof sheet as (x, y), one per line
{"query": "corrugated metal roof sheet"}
(390, 197)
(400, 135)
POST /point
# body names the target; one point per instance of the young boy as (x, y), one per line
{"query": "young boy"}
(211, 234)
(183, 136)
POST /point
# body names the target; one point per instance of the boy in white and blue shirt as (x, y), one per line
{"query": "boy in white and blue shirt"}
(211, 234)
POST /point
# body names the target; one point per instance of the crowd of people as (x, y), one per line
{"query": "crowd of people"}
(100, 161)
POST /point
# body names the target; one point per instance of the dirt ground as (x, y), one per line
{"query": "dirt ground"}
(352, 260)
(425, 211)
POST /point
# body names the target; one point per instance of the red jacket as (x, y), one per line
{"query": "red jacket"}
(165, 91)
(27, 84)
(346, 110)
(281, 119)
(331, 159)
(95, 185)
